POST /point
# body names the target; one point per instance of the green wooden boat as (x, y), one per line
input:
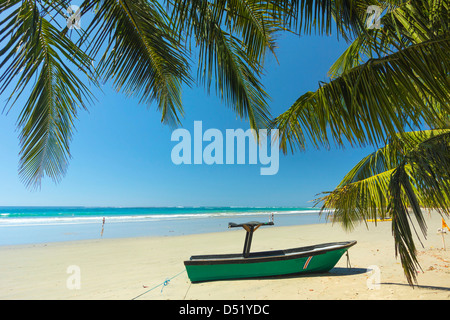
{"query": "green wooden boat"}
(310, 259)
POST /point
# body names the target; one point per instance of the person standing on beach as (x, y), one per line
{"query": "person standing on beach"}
(103, 226)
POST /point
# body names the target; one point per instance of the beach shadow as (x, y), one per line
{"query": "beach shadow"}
(338, 271)
(335, 272)
(417, 286)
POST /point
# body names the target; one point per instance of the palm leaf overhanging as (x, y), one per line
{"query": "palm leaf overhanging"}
(412, 171)
(144, 48)
(138, 52)
(36, 54)
(389, 80)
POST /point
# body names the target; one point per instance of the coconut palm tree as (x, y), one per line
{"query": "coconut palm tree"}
(392, 78)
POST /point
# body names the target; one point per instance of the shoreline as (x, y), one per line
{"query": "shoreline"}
(125, 268)
(140, 227)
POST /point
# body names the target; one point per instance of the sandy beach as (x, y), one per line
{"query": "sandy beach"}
(135, 267)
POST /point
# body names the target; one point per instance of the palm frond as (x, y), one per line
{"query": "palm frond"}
(232, 38)
(393, 154)
(412, 171)
(402, 26)
(357, 201)
(432, 171)
(223, 59)
(401, 227)
(387, 81)
(34, 49)
(322, 17)
(141, 56)
(374, 100)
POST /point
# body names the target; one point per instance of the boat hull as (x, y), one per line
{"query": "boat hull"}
(312, 259)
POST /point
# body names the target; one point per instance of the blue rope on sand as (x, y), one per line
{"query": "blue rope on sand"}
(163, 284)
(166, 283)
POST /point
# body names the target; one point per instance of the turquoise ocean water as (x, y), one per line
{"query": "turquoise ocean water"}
(29, 225)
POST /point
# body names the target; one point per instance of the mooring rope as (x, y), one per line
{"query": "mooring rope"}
(163, 284)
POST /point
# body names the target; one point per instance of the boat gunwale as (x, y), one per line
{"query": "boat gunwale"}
(266, 256)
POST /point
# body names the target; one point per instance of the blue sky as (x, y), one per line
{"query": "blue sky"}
(121, 153)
